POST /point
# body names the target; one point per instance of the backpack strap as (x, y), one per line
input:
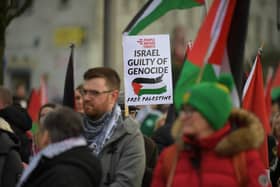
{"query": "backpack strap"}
(240, 167)
(169, 164)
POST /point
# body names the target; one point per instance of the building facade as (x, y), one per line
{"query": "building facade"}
(37, 43)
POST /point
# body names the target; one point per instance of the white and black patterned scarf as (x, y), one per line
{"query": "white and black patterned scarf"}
(98, 132)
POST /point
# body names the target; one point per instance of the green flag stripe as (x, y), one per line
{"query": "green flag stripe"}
(152, 91)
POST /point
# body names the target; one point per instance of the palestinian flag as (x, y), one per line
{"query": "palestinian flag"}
(208, 48)
(154, 9)
(151, 86)
(37, 99)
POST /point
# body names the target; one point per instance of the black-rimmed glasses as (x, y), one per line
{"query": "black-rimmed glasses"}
(94, 93)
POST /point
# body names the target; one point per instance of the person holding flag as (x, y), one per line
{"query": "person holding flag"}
(215, 144)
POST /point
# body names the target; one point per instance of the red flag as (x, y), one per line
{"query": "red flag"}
(254, 101)
(276, 79)
(34, 105)
(37, 98)
(269, 81)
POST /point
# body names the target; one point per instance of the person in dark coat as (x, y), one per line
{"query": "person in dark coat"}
(65, 159)
(10, 163)
(19, 121)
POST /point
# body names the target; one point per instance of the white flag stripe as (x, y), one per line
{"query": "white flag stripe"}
(217, 69)
(217, 26)
(153, 86)
(249, 78)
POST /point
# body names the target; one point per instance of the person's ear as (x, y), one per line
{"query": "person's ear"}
(115, 95)
(44, 139)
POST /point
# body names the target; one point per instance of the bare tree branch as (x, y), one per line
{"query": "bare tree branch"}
(19, 11)
(3, 13)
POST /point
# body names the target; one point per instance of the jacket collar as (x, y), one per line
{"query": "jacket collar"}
(211, 141)
(128, 126)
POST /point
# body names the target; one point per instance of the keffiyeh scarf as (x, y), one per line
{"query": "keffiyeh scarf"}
(98, 132)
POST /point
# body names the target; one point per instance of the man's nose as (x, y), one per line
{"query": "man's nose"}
(86, 97)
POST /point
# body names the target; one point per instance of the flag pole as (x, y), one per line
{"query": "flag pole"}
(126, 108)
(260, 50)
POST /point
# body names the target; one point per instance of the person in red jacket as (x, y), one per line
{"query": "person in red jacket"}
(215, 145)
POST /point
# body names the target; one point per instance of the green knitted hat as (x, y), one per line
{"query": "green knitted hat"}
(275, 93)
(212, 100)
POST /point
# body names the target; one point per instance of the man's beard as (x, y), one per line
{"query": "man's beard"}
(91, 112)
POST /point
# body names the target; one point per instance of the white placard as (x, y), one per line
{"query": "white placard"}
(147, 70)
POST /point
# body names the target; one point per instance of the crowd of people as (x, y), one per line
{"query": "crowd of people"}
(101, 142)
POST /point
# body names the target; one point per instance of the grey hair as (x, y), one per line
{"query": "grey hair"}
(62, 123)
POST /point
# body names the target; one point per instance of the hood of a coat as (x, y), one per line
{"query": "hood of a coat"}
(8, 140)
(246, 133)
(90, 165)
(80, 157)
(17, 117)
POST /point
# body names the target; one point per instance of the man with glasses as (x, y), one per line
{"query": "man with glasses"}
(117, 142)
